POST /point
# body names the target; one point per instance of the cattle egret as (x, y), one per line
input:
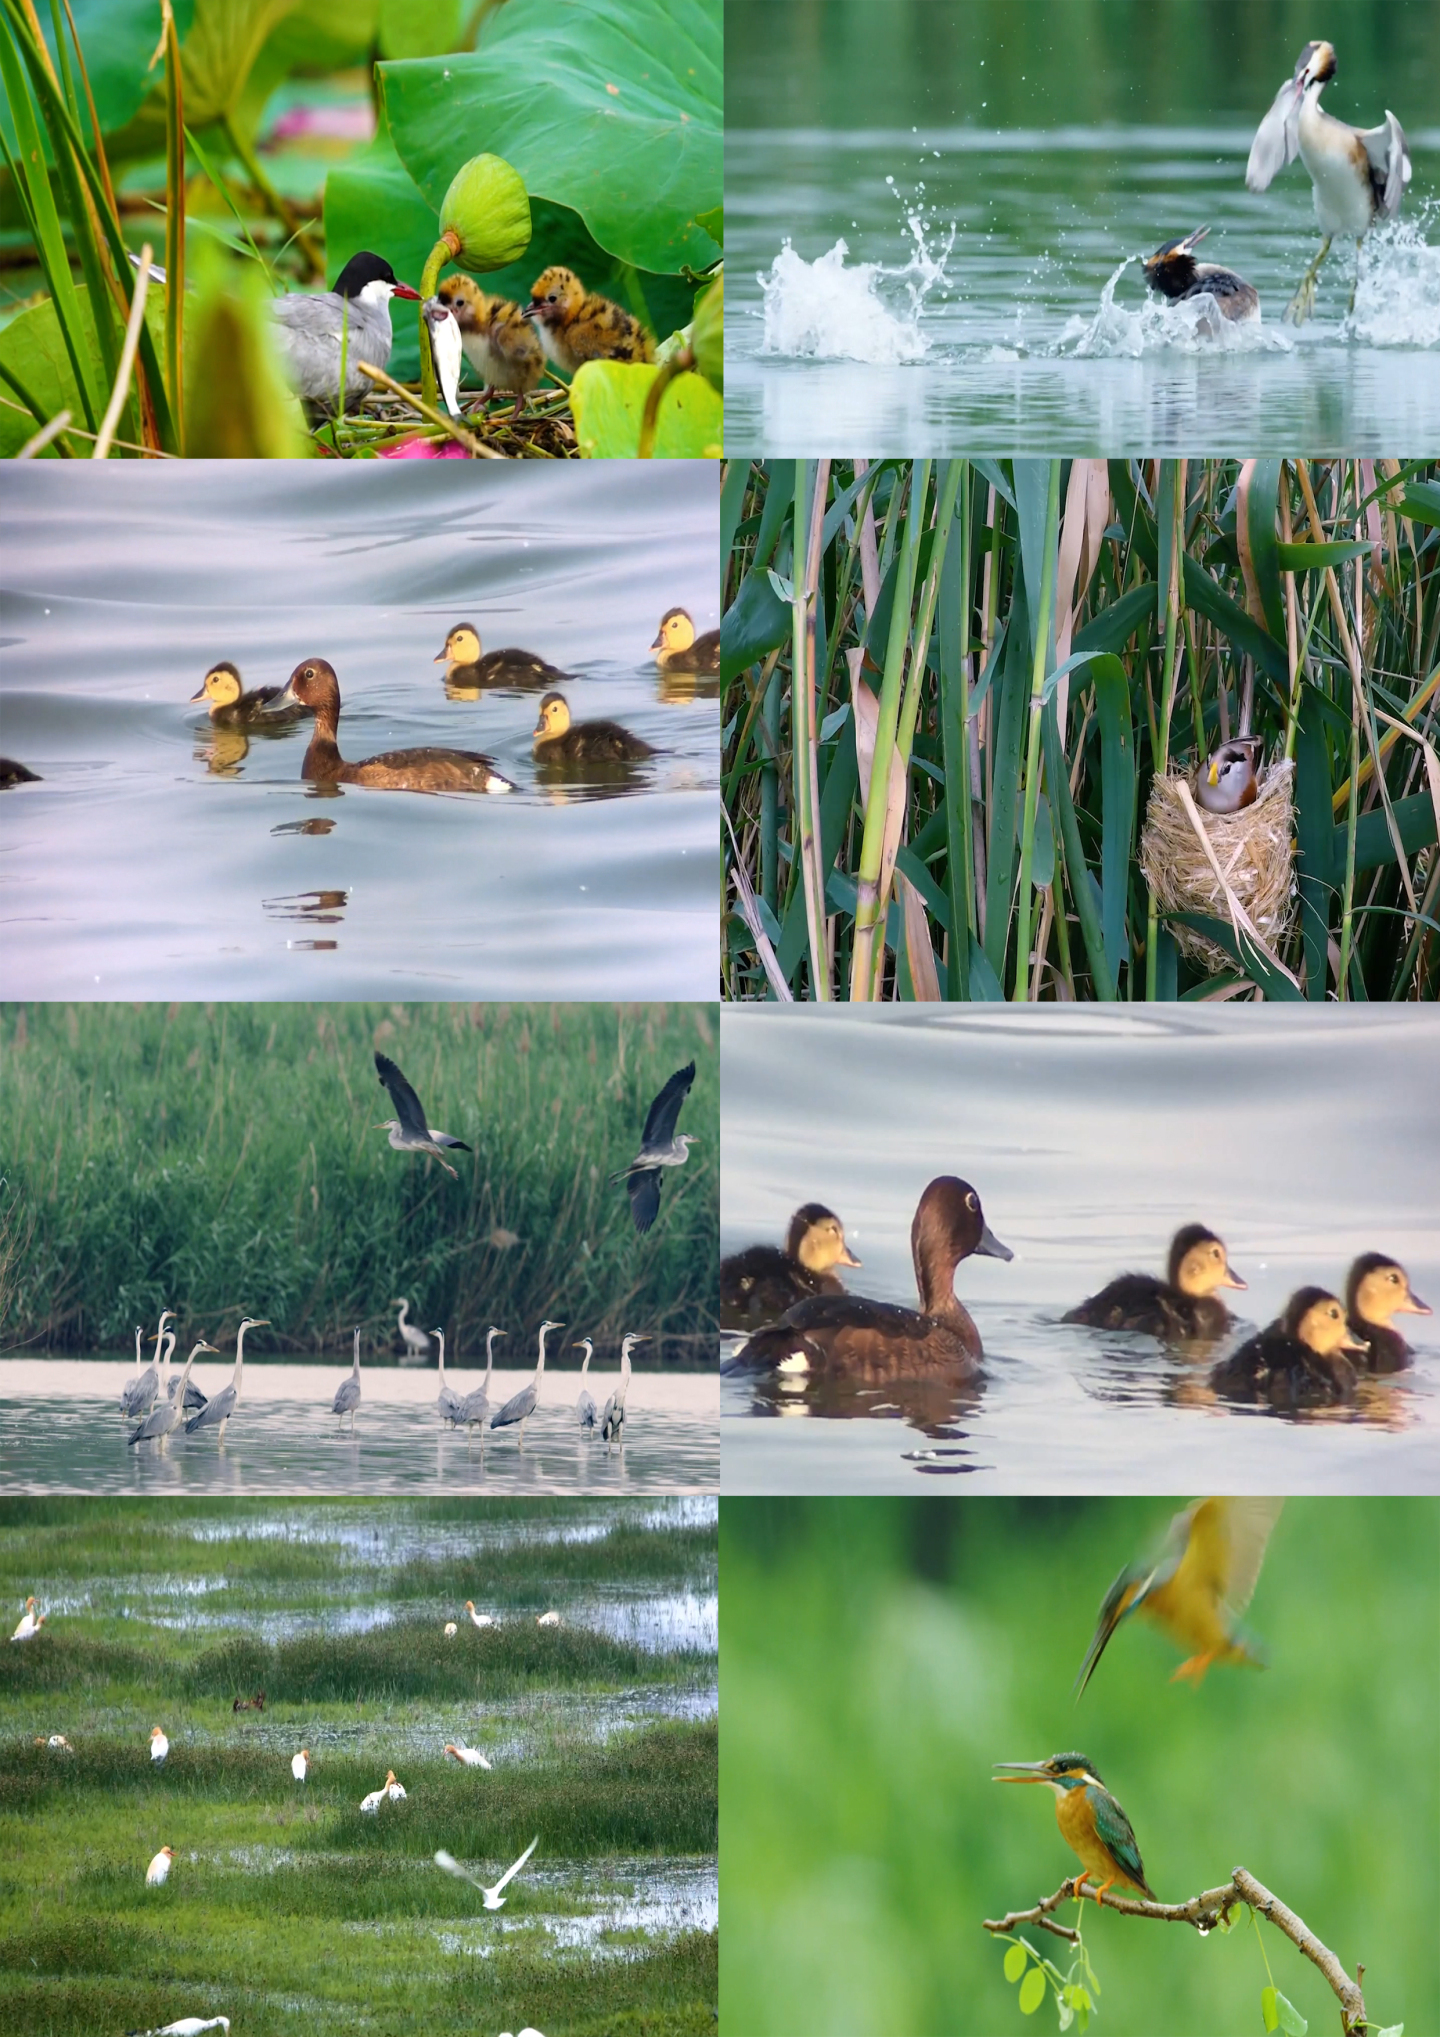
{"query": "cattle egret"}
(409, 1133)
(56, 1740)
(30, 1623)
(477, 1619)
(159, 1745)
(300, 1763)
(493, 1898)
(522, 1405)
(451, 1630)
(548, 1620)
(159, 1867)
(347, 1393)
(393, 1789)
(585, 1405)
(659, 1147)
(191, 2026)
(468, 1757)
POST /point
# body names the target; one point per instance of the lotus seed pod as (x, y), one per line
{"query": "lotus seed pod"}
(707, 334)
(486, 215)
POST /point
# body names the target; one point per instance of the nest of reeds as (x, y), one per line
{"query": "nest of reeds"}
(1253, 861)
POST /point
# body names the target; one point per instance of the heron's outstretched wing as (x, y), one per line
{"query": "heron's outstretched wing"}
(444, 1139)
(511, 1872)
(1277, 139)
(406, 1102)
(660, 1121)
(645, 1197)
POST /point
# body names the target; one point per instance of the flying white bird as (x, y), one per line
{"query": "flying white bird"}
(493, 1898)
(300, 1763)
(30, 1623)
(159, 1867)
(469, 1757)
(159, 1745)
(477, 1619)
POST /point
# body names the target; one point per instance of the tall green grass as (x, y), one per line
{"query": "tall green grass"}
(948, 686)
(220, 1160)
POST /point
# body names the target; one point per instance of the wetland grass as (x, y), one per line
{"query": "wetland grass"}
(995, 661)
(220, 1159)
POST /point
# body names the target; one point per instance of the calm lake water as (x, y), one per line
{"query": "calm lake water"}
(1303, 1138)
(60, 1431)
(160, 859)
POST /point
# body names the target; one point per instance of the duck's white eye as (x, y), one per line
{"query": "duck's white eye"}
(972, 1201)
(309, 672)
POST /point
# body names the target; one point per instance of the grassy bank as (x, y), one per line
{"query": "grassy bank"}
(219, 1160)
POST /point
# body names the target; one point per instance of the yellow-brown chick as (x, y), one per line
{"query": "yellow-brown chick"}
(232, 707)
(499, 343)
(678, 649)
(575, 325)
(559, 741)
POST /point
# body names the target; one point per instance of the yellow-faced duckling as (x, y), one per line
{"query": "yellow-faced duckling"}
(760, 1283)
(678, 649)
(558, 740)
(1299, 1361)
(874, 1340)
(466, 664)
(1228, 780)
(1377, 1289)
(232, 707)
(575, 325)
(313, 685)
(499, 341)
(12, 774)
(1183, 1304)
(1173, 272)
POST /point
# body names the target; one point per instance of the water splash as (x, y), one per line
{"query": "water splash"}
(1195, 325)
(1398, 302)
(824, 310)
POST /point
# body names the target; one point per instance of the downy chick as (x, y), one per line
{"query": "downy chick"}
(575, 325)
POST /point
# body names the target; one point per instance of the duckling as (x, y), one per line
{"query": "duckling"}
(313, 685)
(1183, 1304)
(1299, 1361)
(499, 342)
(760, 1283)
(466, 664)
(874, 1340)
(231, 706)
(1173, 272)
(1227, 782)
(558, 740)
(680, 650)
(12, 774)
(1377, 1289)
(574, 325)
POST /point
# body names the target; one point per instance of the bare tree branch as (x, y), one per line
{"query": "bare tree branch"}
(1205, 1912)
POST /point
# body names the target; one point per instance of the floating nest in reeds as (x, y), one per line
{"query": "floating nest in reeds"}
(1253, 864)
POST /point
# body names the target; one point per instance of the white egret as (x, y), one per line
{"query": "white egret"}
(394, 1790)
(476, 1406)
(522, 1405)
(551, 1619)
(451, 1630)
(477, 1619)
(493, 1898)
(659, 1147)
(417, 1344)
(300, 1764)
(159, 1867)
(220, 1409)
(30, 1623)
(448, 1401)
(159, 1745)
(347, 1393)
(468, 1757)
(388, 1788)
(409, 1133)
(612, 1421)
(191, 2026)
(57, 1740)
(585, 1405)
(169, 1409)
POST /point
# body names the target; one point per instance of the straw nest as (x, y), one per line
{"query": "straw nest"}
(1253, 849)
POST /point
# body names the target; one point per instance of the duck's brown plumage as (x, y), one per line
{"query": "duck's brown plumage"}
(761, 1283)
(1182, 1305)
(876, 1340)
(314, 685)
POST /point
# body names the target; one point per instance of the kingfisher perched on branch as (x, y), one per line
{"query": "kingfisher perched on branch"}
(1197, 1587)
(1091, 1823)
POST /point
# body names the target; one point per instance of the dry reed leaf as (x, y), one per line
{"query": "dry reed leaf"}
(1235, 866)
(919, 953)
(750, 913)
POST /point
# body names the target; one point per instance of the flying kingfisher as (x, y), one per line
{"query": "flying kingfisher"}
(1197, 1587)
(1091, 1823)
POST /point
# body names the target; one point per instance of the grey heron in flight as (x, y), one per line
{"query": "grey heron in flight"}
(408, 1131)
(1359, 173)
(475, 1407)
(659, 1147)
(585, 1405)
(521, 1405)
(219, 1410)
(612, 1421)
(493, 1898)
(168, 1413)
(347, 1393)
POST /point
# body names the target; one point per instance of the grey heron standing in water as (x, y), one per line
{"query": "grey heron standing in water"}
(169, 1411)
(521, 1405)
(1359, 173)
(408, 1130)
(476, 1406)
(417, 1344)
(659, 1147)
(131, 1386)
(447, 1400)
(139, 1395)
(612, 1421)
(347, 1393)
(219, 1410)
(585, 1405)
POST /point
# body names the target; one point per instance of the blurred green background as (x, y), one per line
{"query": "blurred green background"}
(877, 1656)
